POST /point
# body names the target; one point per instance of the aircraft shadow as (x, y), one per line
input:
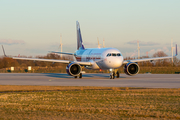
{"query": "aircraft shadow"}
(85, 75)
(58, 75)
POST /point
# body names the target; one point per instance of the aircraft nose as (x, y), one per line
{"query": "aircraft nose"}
(115, 62)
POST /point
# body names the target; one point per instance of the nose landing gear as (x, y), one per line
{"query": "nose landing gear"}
(114, 73)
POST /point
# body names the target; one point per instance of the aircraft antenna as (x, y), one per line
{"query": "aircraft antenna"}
(103, 43)
(138, 50)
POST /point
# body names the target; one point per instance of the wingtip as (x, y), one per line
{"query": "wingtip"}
(4, 51)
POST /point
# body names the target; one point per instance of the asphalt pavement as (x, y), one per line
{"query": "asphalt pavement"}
(62, 79)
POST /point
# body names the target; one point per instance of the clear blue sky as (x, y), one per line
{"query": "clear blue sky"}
(33, 27)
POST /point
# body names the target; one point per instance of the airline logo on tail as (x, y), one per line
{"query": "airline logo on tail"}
(79, 37)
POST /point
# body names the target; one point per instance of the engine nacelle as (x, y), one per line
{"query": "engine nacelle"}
(73, 69)
(131, 68)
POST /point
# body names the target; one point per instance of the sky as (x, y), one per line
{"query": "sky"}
(34, 27)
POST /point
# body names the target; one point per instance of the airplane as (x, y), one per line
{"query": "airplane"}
(97, 59)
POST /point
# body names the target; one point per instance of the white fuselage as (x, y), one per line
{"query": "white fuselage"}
(101, 58)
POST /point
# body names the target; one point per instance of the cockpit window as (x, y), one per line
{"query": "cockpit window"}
(118, 54)
(113, 54)
(109, 54)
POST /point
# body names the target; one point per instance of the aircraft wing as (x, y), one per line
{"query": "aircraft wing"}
(150, 59)
(146, 59)
(50, 60)
(53, 60)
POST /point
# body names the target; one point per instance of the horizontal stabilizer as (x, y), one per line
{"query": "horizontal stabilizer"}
(62, 53)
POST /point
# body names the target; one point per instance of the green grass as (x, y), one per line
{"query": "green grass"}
(88, 103)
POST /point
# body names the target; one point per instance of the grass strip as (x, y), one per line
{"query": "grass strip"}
(88, 103)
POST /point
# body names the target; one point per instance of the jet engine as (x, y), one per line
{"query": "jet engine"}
(73, 69)
(131, 68)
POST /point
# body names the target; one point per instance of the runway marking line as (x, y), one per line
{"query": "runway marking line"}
(106, 78)
(81, 79)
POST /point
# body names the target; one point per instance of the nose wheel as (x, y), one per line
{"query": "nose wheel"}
(112, 76)
(114, 73)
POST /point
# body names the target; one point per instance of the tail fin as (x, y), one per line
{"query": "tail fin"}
(79, 37)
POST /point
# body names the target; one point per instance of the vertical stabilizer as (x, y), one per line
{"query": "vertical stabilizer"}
(79, 37)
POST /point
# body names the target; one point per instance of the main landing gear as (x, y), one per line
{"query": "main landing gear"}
(114, 73)
(80, 76)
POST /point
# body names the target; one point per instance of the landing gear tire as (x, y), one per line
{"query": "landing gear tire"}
(80, 75)
(117, 74)
(75, 76)
(112, 76)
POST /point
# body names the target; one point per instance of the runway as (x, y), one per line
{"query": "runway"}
(62, 79)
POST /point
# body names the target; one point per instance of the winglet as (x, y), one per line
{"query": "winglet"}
(176, 51)
(4, 51)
